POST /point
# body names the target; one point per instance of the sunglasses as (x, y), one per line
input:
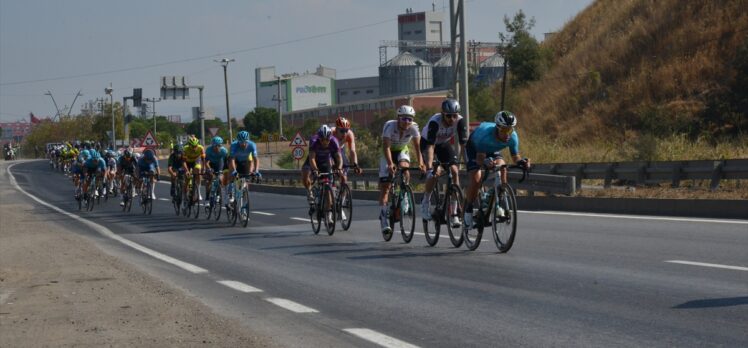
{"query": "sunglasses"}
(451, 116)
(406, 119)
(343, 130)
(506, 130)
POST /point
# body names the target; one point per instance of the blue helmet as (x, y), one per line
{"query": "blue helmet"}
(95, 154)
(85, 154)
(242, 136)
(149, 154)
(217, 140)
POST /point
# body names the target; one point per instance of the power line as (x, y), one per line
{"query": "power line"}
(148, 66)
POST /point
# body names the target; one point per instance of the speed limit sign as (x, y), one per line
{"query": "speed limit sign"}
(298, 152)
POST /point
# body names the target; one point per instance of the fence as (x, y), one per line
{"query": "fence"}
(650, 172)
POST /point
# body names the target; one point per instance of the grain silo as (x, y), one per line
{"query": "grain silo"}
(405, 73)
(491, 69)
(443, 72)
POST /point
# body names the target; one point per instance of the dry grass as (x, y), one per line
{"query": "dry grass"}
(619, 59)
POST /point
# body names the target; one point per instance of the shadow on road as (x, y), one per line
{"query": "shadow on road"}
(714, 302)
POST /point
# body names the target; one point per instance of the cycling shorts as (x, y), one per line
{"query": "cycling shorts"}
(397, 156)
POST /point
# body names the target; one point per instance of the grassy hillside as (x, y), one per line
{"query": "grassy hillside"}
(646, 79)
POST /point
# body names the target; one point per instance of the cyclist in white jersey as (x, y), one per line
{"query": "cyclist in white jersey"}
(437, 137)
(396, 134)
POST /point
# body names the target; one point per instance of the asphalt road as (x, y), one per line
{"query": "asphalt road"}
(570, 279)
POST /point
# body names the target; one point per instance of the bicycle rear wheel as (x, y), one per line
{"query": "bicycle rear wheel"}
(328, 210)
(505, 225)
(407, 214)
(217, 204)
(316, 212)
(432, 228)
(474, 235)
(345, 206)
(453, 211)
(393, 214)
(196, 194)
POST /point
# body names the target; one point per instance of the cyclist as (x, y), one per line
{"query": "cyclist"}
(344, 134)
(176, 164)
(437, 137)
(195, 155)
(125, 165)
(148, 164)
(243, 158)
(111, 170)
(323, 149)
(489, 139)
(217, 156)
(94, 165)
(77, 170)
(396, 134)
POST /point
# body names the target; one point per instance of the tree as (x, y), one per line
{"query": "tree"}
(261, 119)
(526, 58)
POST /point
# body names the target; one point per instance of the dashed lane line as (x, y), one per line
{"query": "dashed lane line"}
(238, 286)
(263, 213)
(379, 338)
(290, 305)
(300, 219)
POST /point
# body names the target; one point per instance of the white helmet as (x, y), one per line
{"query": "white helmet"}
(505, 119)
(406, 110)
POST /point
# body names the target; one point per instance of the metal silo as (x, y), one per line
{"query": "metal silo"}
(443, 72)
(405, 73)
(491, 69)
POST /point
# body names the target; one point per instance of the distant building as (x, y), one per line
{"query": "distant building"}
(297, 91)
(357, 89)
(14, 132)
(420, 26)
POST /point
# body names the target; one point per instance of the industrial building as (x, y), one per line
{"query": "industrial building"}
(297, 91)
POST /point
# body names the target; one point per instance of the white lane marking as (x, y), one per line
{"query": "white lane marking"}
(239, 286)
(108, 233)
(290, 305)
(702, 264)
(164, 199)
(300, 219)
(637, 217)
(263, 213)
(379, 338)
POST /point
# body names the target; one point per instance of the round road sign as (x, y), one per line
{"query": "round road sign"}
(298, 152)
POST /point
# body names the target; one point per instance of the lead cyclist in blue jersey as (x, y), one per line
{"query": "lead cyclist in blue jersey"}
(488, 140)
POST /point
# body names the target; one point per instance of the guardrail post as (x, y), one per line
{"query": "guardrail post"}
(716, 175)
(641, 174)
(677, 175)
(610, 172)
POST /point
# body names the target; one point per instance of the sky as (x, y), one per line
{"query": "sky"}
(85, 45)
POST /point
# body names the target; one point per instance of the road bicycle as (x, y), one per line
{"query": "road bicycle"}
(323, 210)
(178, 195)
(402, 207)
(213, 206)
(146, 193)
(344, 203)
(445, 206)
(495, 207)
(238, 198)
(88, 198)
(193, 195)
(128, 193)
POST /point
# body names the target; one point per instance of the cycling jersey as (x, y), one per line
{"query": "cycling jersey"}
(323, 154)
(243, 154)
(436, 132)
(175, 162)
(217, 159)
(193, 153)
(127, 165)
(483, 140)
(95, 164)
(145, 166)
(399, 139)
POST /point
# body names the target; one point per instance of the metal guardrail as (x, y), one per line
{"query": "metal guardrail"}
(645, 172)
(548, 183)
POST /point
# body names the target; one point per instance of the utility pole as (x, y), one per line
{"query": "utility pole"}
(459, 64)
(153, 109)
(279, 99)
(74, 99)
(504, 78)
(54, 102)
(108, 91)
(225, 62)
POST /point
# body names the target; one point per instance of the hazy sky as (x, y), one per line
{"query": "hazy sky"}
(71, 45)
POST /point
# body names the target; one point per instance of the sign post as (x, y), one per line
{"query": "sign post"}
(298, 154)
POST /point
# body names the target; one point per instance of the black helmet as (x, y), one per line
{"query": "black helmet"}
(450, 106)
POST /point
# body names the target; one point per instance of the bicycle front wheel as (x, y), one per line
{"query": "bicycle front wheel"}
(505, 219)
(432, 228)
(474, 234)
(196, 194)
(315, 213)
(217, 204)
(407, 214)
(345, 206)
(328, 210)
(453, 214)
(244, 207)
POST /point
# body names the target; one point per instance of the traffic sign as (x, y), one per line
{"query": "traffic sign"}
(149, 140)
(135, 142)
(213, 131)
(297, 140)
(298, 153)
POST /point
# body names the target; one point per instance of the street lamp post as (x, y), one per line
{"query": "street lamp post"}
(225, 62)
(153, 109)
(54, 102)
(108, 91)
(74, 99)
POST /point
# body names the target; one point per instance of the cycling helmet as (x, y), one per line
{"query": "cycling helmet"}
(109, 154)
(192, 141)
(406, 110)
(342, 122)
(505, 119)
(149, 154)
(95, 154)
(450, 106)
(242, 136)
(178, 148)
(217, 141)
(85, 154)
(127, 153)
(324, 132)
